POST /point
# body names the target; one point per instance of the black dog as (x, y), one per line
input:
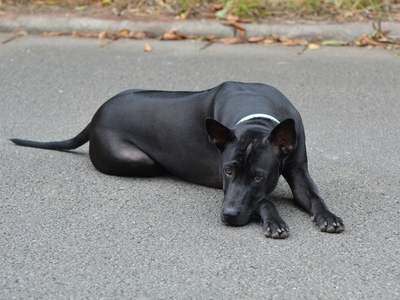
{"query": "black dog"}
(147, 133)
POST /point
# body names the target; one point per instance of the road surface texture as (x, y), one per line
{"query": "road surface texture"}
(68, 231)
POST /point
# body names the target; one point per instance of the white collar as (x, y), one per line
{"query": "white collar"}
(253, 116)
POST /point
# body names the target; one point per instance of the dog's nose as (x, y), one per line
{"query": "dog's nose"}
(230, 212)
(233, 216)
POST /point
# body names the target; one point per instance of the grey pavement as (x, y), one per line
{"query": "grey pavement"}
(305, 29)
(68, 231)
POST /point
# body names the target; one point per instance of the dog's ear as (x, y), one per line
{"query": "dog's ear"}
(283, 136)
(219, 134)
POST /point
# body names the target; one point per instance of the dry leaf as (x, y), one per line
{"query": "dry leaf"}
(172, 35)
(365, 40)
(235, 25)
(294, 42)
(116, 11)
(80, 7)
(313, 46)
(147, 47)
(21, 33)
(348, 14)
(106, 2)
(85, 34)
(186, 14)
(216, 7)
(255, 39)
(123, 34)
(137, 35)
(232, 18)
(210, 38)
(54, 33)
(333, 43)
(102, 35)
(231, 40)
(281, 39)
(383, 39)
(269, 41)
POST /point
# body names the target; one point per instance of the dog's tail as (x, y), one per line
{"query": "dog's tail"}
(70, 144)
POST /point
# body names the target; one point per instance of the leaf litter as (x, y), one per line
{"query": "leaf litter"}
(379, 39)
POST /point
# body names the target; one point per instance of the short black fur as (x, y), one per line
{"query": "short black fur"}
(146, 133)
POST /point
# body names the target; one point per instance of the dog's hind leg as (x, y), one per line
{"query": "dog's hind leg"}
(113, 155)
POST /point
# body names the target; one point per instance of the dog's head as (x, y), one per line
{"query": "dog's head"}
(250, 162)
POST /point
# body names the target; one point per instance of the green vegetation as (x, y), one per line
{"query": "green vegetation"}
(249, 9)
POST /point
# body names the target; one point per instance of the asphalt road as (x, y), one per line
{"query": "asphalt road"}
(68, 231)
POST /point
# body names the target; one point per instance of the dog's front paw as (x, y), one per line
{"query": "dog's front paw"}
(328, 222)
(276, 229)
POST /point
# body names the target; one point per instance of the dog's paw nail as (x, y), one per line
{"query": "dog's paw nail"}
(328, 222)
(275, 235)
(276, 230)
(330, 229)
(267, 231)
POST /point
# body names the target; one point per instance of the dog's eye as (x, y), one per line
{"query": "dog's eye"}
(258, 178)
(228, 171)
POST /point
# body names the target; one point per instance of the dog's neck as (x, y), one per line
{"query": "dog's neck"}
(258, 116)
(256, 122)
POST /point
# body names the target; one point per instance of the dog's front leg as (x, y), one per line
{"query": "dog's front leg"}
(273, 225)
(305, 193)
